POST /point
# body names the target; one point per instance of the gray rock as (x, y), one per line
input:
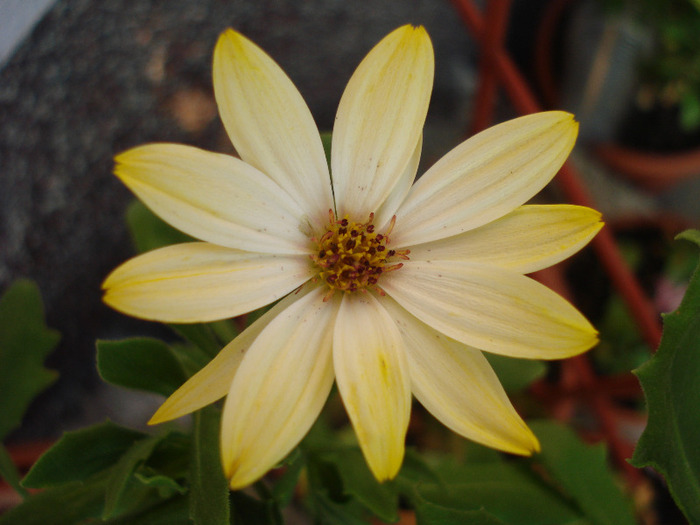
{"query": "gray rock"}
(95, 78)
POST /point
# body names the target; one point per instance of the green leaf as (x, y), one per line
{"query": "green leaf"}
(415, 469)
(140, 363)
(431, 513)
(148, 231)
(583, 473)
(487, 501)
(327, 500)
(8, 471)
(25, 341)
(516, 374)
(381, 499)
(209, 495)
(670, 440)
(201, 335)
(70, 504)
(80, 454)
(283, 491)
(246, 509)
(331, 512)
(123, 473)
(487, 490)
(327, 139)
(173, 511)
(166, 486)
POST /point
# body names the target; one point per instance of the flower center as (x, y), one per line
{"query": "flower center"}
(352, 256)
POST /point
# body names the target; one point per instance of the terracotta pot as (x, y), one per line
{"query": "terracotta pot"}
(652, 171)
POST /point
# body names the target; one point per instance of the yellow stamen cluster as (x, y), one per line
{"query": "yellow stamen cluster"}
(352, 256)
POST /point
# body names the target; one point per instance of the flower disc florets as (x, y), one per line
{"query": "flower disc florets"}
(352, 256)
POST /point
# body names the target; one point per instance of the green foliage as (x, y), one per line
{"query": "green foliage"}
(8, 471)
(25, 341)
(582, 473)
(148, 231)
(141, 364)
(209, 500)
(80, 454)
(516, 374)
(670, 382)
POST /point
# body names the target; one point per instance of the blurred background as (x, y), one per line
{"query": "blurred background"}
(81, 80)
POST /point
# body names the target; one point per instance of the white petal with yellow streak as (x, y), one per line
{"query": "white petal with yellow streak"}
(528, 239)
(270, 124)
(213, 381)
(214, 197)
(373, 380)
(485, 177)
(380, 119)
(279, 388)
(458, 386)
(491, 309)
(201, 282)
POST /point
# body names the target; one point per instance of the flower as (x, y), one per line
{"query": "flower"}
(387, 287)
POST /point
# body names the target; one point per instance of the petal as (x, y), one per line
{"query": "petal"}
(458, 386)
(279, 389)
(213, 381)
(380, 119)
(526, 240)
(200, 282)
(373, 380)
(388, 208)
(214, 197)
(269, 123)
(485, 177)
(490, 308)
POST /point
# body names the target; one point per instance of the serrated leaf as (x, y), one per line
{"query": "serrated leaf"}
(8, 471)
(510, 501)
(80, 454)
(49, 507)
(209, 494)
(123, 473)
(148, 231)
(25, 341)
(583, 473)
(140, 363)
(670, 440)
(430, 513)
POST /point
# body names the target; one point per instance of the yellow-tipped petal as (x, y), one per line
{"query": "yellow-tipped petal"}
(200, 282)
(279, 389)
(373, 380)
(213, 197)
(491, 309)
(213, 381)
(526, 240)
(269, 123)
(380, 119)
(485, 177)
(458, 386)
